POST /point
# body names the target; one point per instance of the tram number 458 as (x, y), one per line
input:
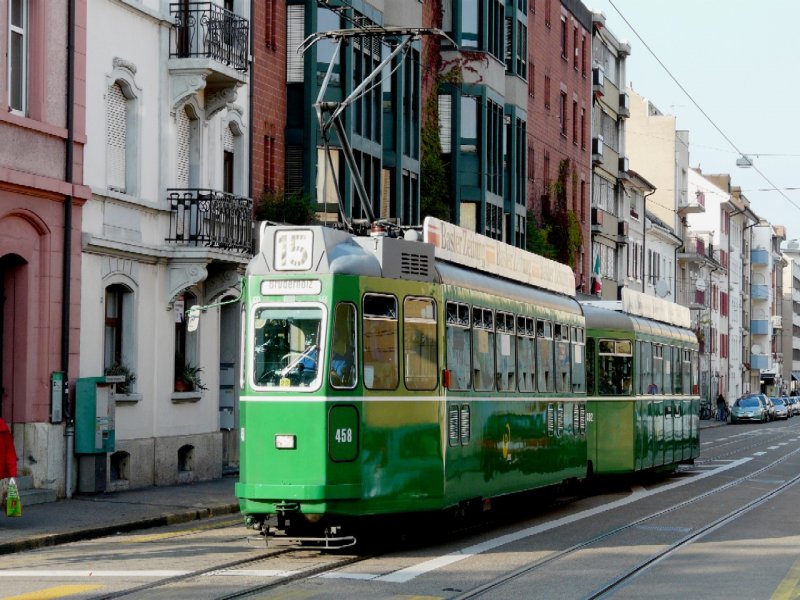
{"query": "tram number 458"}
(343, 435)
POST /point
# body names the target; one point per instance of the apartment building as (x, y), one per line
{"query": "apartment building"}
(559, 124)
(166, 233)
(42, 194)
(610, 163)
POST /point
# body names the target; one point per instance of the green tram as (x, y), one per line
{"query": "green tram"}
(385, 375)
(642, 376)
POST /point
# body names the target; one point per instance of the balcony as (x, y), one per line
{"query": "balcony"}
(777, 321)
(698, 249)
(759, 257)
(759, 327)
(759, 361)
(759, 292)
(209, 41)
(211, 218)
(694, 205)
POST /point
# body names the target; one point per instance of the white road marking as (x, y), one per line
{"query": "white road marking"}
(409, 573)
(141, 573)
(759, 453)
(772, 447)
(361, 576)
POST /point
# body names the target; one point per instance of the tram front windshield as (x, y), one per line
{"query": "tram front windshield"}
(287, 347)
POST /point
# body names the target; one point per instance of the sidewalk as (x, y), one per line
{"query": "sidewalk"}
(90, 516)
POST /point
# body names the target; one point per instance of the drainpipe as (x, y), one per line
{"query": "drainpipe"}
(250, 110)
(644, 240)
(67, 251)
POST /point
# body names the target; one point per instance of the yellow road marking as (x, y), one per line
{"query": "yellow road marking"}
(173, 534)
(56, 592)
(788, 588)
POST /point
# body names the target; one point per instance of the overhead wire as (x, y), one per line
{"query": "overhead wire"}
(693, 101)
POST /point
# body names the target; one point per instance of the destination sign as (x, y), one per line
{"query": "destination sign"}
(285, 287)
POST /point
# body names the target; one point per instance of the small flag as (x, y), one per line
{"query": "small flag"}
(13, 504)
(597, 282)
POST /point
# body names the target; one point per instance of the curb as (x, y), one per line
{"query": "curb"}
(54, 539)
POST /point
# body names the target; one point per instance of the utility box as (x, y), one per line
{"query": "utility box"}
(94, 430)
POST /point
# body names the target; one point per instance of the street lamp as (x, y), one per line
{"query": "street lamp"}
(744, 161)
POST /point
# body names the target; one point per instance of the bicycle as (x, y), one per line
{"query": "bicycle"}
(705, 411)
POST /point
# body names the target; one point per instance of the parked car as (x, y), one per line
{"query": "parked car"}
(794, 405)
(749, 408)
(781, 409)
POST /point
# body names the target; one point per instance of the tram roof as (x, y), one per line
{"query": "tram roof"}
(598, 317)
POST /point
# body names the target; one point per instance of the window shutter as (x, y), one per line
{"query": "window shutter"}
(116, 137)
(445, 127)
(294, 168)
(295, 14)
(183, 142)
(227, 139)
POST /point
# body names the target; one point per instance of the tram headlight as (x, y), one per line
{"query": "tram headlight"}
(285, 441)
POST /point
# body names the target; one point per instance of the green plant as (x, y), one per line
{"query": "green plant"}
(191, 375)
(279, 206)
(121, 369)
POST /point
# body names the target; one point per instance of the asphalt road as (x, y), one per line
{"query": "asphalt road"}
(726, 527)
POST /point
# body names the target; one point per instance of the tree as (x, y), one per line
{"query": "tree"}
(279, 206)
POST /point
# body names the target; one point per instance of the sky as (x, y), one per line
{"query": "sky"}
(738, 61)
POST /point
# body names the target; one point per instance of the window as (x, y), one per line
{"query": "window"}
(343, 371)
(496, 30)
(458, 336)
(494, 148)
(575, 122)
(583, 128)
(18, 55)
(469, 124)
(286, 352)
(116, 138)
(482, 349)
(186, 347)
(578, 352)
(118, 330)
(575, 51)
(505, 352)
(562, 113)
(615, 366)
(380, 342)
(419, 344)
(187, 138)
(547, 91)
(295, 34)
(470, 19)
(562, 357)
(544, 356)
(564, 42)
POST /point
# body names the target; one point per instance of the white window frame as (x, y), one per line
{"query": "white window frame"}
(23, 32)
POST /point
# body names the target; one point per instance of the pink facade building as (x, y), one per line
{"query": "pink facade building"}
(42, 136)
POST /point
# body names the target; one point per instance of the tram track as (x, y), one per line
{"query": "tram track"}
(758, 439)
(230, 568)
(642, 566)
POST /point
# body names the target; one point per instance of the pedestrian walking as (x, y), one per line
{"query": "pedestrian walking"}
(722, 408)
(8, 460)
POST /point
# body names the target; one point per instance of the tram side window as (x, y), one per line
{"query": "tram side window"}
(667, 359)
(615, 366)
(590, 366)
(676, 370)
(380, 342)
(578, 367)
(482, 349)
(526, 354)
(695, 374)
(658, 368)
(343, 366)
(544, 356)
(648, 386)
(419, 343)
(562, 357)
(686, 377)
(504, 352)
(458, 337)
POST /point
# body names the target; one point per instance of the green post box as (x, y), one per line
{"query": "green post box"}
(94, 430)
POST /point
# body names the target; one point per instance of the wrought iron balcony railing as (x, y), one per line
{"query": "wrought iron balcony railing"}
(202, 217)
(205, 30)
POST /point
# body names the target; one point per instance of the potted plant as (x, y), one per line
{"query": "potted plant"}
(187, 375)
(120, 369)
